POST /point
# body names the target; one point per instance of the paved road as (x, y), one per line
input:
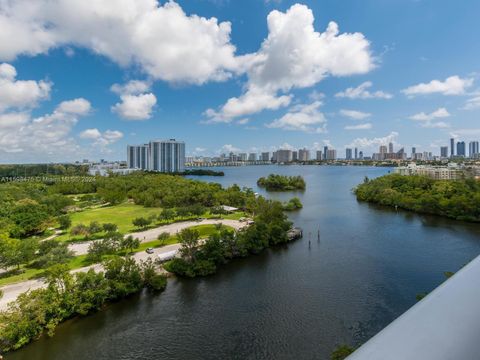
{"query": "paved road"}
(149, 235)
(11, 292)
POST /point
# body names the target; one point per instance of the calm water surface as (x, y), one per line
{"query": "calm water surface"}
(289, 302)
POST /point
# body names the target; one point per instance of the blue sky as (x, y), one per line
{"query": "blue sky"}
(223, 75)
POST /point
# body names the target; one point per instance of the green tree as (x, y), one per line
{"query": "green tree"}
(64, 222)
(167, 215)
(163, 237)
(141, 222)
(95, 227)
(130, 243)
(189, 239)
(109, 227)
(29, 217)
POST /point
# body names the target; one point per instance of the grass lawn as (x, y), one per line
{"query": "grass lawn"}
(81, 260)
(122, 215)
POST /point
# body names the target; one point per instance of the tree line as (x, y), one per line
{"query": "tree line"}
(459, 199)
(201, 259)
(68, 295)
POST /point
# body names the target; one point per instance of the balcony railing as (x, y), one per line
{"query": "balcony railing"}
(445, 325)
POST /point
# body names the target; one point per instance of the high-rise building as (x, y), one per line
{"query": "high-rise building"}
(319, 155)
(137, 156)
(461, 148)
(252, 157)
(444, 151)
(414, 151)
(348, 154)
(360, 155)
(242, 157)
(356, 153)
(331, 154)
(452, 147)
(382, 152)
(325, 149)
(166, 156)
(265, 156)
(473, 149)
(303, 154)
(294, 155)
(284, 156)
(390, 148)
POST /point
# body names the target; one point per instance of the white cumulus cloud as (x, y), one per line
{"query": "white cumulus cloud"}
(303, 117)
(453, 85)
(102, 139)
(294, 55)
(354, 114)
(362, 92)
(162, 40)
(439, 113)
(136, 103)
(365, 126)
(46, 134)
(374, 143)
(20, 94)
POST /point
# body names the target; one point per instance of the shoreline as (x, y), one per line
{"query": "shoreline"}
(12, 291)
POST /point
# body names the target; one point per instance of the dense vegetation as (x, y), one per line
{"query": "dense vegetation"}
(70, 295)
(281, 183)
(29, 208)
(27, 170)
(31, 211)
(292, 204)
(454, 199)
(203, 172)
(270, 228)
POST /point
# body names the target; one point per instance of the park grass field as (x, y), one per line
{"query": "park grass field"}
(122, 215)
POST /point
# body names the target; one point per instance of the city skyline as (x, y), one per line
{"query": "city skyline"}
(233, 83)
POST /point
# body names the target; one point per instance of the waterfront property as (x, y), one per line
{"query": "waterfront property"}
(451, 172)
(166, 156)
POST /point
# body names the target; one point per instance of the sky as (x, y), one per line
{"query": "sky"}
(81, 80)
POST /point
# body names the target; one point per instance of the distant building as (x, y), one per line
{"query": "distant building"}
(157, 155)
(444, 151)
(325, 149)
(265, 156)
(414, 151)
(138, 156)
(242, 157)
(284, 156)
(452, 147)
(473, 149)
(382, 152)
(294, 155)
(166, 156)
(331, 154)
(252, 157)
(360, 155)
(390, 148)
(356, 153)
(303, 154)
(348, 154)
(319, 155)
(434, 172)
(461, 148)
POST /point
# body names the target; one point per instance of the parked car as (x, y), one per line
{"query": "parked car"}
(149, 250)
